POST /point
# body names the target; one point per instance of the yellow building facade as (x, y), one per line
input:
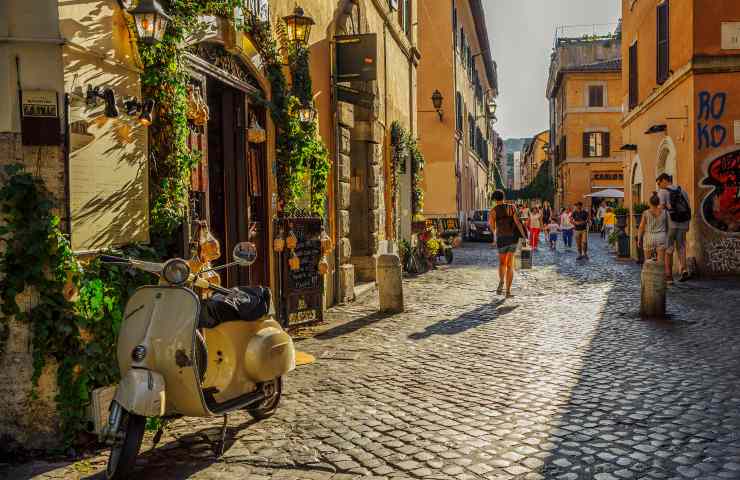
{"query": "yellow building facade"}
(458, 145)
(535, 155)
(681, 84)
(585, 93)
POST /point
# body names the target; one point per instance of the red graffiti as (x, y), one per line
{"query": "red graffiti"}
(721, 207)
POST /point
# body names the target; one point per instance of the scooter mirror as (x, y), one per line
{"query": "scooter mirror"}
(245, 253)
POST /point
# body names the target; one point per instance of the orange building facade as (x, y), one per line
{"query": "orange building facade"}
(459, 145)
(585, 93)
(682, 116)
(535, 154)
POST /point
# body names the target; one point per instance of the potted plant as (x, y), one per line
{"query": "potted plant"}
(637, 210)
(623, 244)
(621, 214)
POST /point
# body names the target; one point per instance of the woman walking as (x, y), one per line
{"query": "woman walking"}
(547, 213)
(507, 228)
(566, 226)
(653, 230)
(535, 226)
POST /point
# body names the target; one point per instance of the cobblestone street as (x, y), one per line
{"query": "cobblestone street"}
(564, 381)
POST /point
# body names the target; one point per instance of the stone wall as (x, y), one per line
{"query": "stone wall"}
(27, 423)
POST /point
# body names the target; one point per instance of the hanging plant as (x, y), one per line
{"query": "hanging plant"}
(406, 148)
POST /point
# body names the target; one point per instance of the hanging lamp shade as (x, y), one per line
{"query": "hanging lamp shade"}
(151, 21)
(299, 27)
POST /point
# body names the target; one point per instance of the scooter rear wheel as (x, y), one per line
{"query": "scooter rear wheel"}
(124, 451)
(267, 407)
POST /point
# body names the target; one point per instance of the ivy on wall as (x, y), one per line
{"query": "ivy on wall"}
(405, 150)
(78, 310)
(300, 152)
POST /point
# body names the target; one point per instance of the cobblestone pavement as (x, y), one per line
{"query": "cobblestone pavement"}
(562, 382)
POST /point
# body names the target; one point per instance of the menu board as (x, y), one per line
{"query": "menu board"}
(308, 250)
(302, 290)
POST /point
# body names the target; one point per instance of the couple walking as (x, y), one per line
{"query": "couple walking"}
(664, 226)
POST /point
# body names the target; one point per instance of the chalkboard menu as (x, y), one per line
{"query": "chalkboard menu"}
(301, 290)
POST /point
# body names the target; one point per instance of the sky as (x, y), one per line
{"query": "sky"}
(522, 33)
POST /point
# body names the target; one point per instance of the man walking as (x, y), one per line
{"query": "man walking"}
(676, 202)
(581, 219)
(505, 224)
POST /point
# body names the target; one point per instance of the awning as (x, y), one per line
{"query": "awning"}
(608, 193)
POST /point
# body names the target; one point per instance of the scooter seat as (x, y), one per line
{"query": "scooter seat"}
(243, 304)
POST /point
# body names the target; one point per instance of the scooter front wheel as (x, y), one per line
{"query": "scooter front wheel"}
(267, 407)
(126, 447)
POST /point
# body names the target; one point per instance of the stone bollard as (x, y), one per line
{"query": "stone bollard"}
(652, 299)
(390, 283)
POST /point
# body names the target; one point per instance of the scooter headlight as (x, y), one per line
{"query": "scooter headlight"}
(176, 271)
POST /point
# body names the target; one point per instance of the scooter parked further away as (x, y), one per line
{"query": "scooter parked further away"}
(180, 356)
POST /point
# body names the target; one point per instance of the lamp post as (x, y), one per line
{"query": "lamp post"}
(299, 27)
(151, 21)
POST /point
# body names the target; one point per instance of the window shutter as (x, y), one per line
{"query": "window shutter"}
(633, 79)
(663, 27)
(605, 142)
(586, 149)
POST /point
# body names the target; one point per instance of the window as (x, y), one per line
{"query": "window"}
(633, 85)
(596, 144)
(563, 149)
(459, 112)
(471, 131)
(596, 96)
(663, 51)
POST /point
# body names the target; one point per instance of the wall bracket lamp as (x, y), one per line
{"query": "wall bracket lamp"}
(143, 109)
(656, 129)
(107, 94)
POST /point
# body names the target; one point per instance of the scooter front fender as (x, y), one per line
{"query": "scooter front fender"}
(142, 392)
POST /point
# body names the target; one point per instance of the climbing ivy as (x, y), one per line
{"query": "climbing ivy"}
(300, 152)
(77, 309)
(405, 148)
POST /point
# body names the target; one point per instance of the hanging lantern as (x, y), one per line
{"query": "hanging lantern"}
(307, 114)
(151, 21)
(278, 245)
(299, 27)
(294, 262)
(292, 241)
(326, 243)
(255, 132)
(323, 266)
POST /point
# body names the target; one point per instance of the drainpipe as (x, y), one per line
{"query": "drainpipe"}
(335, 168)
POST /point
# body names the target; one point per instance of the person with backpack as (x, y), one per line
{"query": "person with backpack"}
(505, 224)
(675, 201)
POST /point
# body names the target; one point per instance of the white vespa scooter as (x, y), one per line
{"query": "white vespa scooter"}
(180, 356)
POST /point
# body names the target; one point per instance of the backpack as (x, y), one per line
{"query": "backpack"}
(680, 210)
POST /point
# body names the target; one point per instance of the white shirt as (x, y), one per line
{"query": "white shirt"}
(565, 222)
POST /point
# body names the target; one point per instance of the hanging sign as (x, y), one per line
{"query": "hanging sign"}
(40, 117)
(357, 57)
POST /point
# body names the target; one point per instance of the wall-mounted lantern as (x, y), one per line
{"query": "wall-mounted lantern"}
(107, 94)
(143, 109)
(307, 114)
(299, 27)
(151, 21)
(437, 102)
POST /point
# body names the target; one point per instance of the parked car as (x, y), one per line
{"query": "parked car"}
(478, 228)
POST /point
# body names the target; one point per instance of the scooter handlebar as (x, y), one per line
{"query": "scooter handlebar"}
(113, 259)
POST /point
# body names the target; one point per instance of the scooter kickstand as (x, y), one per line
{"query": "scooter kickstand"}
(223, 436)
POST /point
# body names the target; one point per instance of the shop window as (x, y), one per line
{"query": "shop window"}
(663, 50)
(596, 96)
(596, 144)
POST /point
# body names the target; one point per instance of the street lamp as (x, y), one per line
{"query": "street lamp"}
(151, 21)
(437, 102)
(299, 27)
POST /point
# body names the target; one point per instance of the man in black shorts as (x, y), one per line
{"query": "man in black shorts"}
(581, 219)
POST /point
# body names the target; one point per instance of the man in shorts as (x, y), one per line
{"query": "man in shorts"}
(507, 229)
(581, 220)
(677, 230)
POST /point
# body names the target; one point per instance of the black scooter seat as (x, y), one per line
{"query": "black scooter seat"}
(243, 304)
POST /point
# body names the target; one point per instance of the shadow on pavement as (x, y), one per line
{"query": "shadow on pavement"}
(352, 326)
(652, 398)
(469, 320)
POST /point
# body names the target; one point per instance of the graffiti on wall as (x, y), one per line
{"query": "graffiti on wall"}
(721, 205)
(711, 133)
(723, 255)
